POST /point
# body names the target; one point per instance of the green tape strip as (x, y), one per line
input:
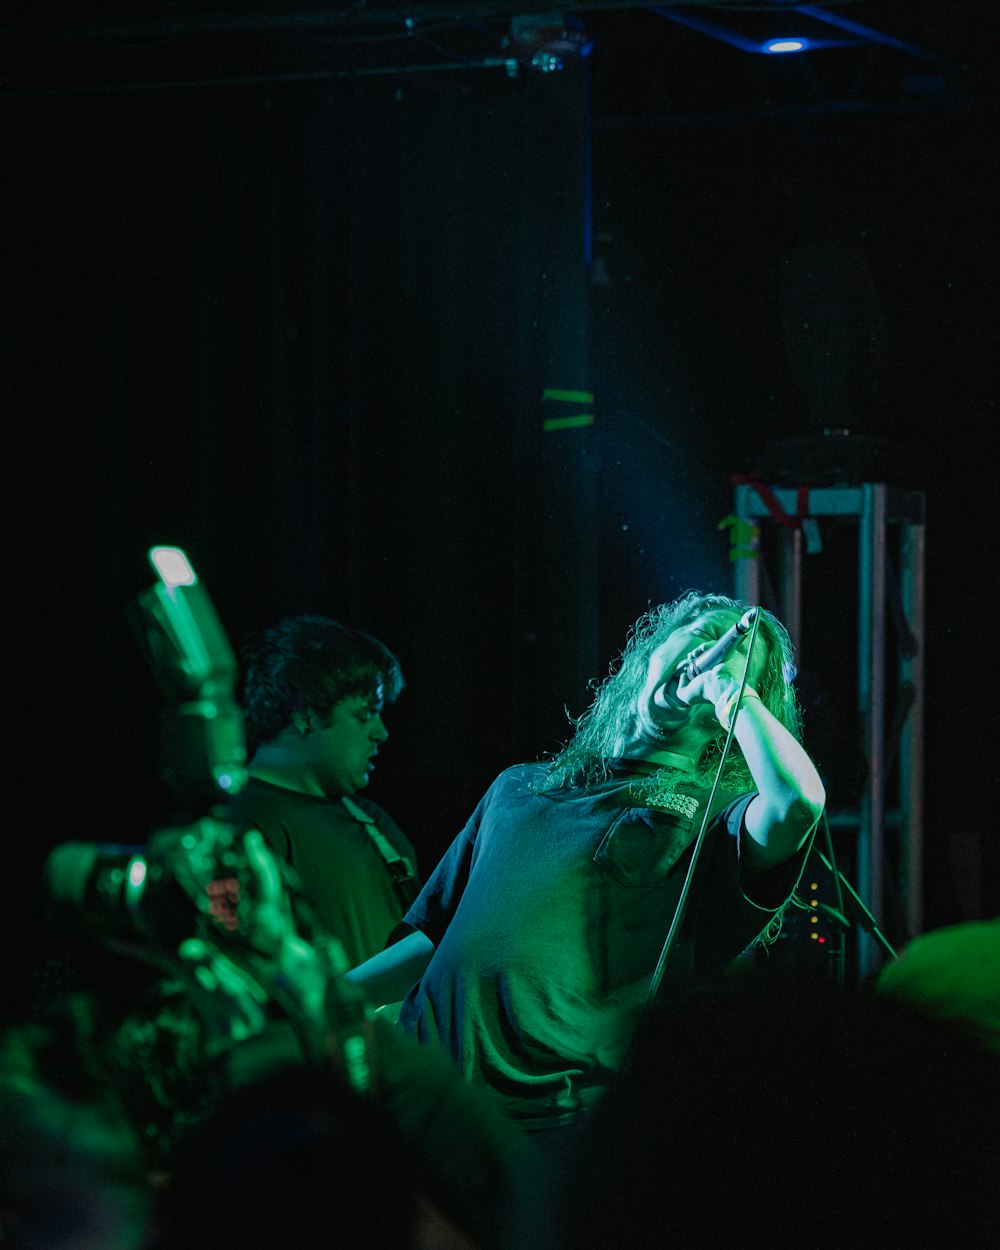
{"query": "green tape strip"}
(568, 397)
(568, 423)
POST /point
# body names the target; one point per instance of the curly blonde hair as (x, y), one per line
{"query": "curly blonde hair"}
(601, 729)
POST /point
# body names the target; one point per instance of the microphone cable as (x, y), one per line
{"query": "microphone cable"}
(675, 924)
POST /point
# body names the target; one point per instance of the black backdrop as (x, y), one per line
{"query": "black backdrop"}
(302, 330)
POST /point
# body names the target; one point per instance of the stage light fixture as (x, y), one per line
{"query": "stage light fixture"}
(747, 35)
(548, 42)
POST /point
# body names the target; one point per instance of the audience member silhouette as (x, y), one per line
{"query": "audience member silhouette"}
(72, 1173)
(952, 973)
(295, 1158)
(800, 1115)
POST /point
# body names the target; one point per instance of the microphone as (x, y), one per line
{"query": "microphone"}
(666, 696)
(719, 650)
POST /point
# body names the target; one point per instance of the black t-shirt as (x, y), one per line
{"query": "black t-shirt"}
(549, 913)
(342, 871)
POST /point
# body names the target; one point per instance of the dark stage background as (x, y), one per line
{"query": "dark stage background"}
(276, 296)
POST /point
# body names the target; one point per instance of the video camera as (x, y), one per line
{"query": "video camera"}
(154, 892)
(245, 977)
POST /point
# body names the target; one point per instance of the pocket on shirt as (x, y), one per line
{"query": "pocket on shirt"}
(642, 847)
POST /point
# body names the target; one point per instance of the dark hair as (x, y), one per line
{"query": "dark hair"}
(311, 663)
(295, 1157)
(603, 726)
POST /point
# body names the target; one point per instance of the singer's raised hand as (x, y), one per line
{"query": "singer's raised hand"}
(716, 685)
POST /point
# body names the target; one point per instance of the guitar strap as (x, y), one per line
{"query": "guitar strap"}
(400, 869)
